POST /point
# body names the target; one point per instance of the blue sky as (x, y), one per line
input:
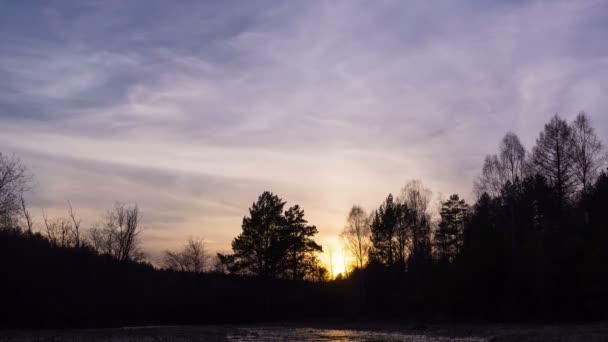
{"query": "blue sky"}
(193, 108)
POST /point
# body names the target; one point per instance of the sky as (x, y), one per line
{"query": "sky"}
(194, 108)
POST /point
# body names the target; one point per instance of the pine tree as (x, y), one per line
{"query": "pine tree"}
(450, 233)
(383, 227)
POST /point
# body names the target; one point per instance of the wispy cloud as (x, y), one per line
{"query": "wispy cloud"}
(193, 109)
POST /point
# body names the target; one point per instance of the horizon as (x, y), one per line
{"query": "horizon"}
(194, 110)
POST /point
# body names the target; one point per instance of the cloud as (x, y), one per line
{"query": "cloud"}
(194, 109)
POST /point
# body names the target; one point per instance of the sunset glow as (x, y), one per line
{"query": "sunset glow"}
(336, 258)
(318, 103)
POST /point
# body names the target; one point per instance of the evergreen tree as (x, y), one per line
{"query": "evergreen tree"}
(273, 243)
(260, 248)
(449, 235)
(301, 248)
(384, 229)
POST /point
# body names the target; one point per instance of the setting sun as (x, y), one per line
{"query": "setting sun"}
(336, 258)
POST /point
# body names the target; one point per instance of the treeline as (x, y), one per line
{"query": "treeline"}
(59, 273)
(531, 247)
(46, 286)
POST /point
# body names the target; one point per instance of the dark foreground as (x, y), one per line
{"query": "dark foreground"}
(347, 332)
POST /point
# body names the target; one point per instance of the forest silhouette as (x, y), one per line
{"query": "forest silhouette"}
(532, 247)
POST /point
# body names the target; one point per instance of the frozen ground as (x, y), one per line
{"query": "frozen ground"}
(344, 332)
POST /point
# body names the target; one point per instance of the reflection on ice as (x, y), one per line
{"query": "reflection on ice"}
(321, 335)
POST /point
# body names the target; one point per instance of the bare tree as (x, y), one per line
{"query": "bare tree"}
(121, 232)
(490, 181)
(588, 152)
(59, 231)
(193, 257)
(509, 165)
(76, 225)
(417, 197)
(356, 235)
(14, 181)
(118, 233)
(96, 238)
(512, 158)
(553, 158)
(27, 216)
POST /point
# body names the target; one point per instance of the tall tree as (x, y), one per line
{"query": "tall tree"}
(512, 158)
(553, 158)
(356, 234)
(124, 220)
(27, 216)
(417, 197)
(450, 233)
(118, 234)
(384, 229)
(403, 232)
(301, 248)
(509, 166)
(14, 182)
(588, 152)
(259, 248)
(273, 243)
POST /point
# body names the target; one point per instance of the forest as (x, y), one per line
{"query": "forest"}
(532, 247)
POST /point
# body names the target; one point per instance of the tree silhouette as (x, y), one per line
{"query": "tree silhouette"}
(588, 152)
(193, 257)
(301, 248)
(356, 235)
(450, 233)
(384, 230)
(509, 165)
(260, 248)
(417, 197)
(403, 232)
(14, 181)
(273, 243)
(553, 158)
(118, 234)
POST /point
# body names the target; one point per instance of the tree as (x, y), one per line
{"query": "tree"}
(27, 216)
(59, 231)
(122, 223)
(118, 234)
(258, 249)
(14, 182)
(553, 158)
(317, 273)
(75, 225)
(512, 158)
(301, 248)
(356, 235)
(508, 166)
(403, 232)
(417, 197)
(273, 243)
(384, 229)
(193, 257)
(450, 233)
(588, 152)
